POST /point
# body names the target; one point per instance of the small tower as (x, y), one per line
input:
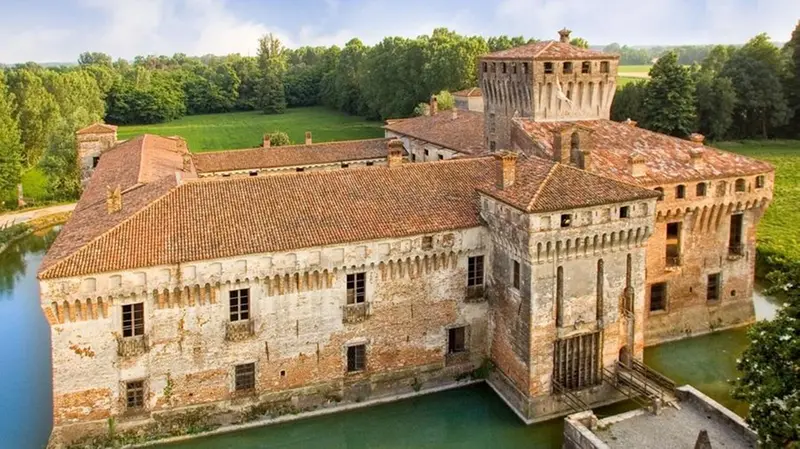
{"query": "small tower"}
(92, 142)
(545, 81)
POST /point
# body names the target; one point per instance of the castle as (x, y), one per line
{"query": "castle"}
(537, 240)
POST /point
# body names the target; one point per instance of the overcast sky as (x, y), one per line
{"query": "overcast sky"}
(59, 30)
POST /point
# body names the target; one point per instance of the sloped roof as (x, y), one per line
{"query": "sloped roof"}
(550, 50)
(97, 128)
(290, 155)
(463, 133)
(667, 159)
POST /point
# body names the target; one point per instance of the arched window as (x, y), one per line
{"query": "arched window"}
(575, 155)
(740, 185)
(680, 191)
(560, 296)
(702, 189)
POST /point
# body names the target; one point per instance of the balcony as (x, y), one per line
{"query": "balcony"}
(131, 346)
(355, 313)
(239, 330)
(475, 293)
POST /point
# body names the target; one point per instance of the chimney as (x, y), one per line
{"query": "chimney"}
(113, 199)
(564, 35)
(638, 168)
(696, 155)
(394, 156)
(434, 106)
(265, 143)
(697, 138)
(308, 137)
(507, 165)
(187, 162)
(630, 122)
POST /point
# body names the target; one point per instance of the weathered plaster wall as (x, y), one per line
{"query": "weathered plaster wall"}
(91, 146)
(417, 148)
(294, 168)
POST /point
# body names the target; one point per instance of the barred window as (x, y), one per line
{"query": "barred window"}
(456, 340)
(658, 296)
(475, 271)
(134, 395)
(713, 287)
(133, 319)
(245, 377)
(356, 358)
(356, 288)
(240, 304)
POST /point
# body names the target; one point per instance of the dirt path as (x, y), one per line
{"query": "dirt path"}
(21, 217)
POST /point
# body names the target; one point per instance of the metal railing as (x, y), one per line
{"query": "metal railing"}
(571, 399)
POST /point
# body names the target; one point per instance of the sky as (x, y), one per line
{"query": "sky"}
(59, 30)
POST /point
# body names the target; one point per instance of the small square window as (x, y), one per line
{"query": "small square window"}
(300, 169)
(566, 220)
(345, 165)
(134, 395)
(548, 67)
(356, 288)
(680, 192)
(567, 67)
(253, 173)
(604, 67)
(426, 152)
(356, 358)
(624, 212)
(515, 281)
(673, 230)
(245, 377)
(427, 242)
(441, 157)
(713, 287)
(701, 189)
(658, 296)
(370, 164)
(740, 185)
(759, 181)
(586, 67)
(239, 304)
(456, 340)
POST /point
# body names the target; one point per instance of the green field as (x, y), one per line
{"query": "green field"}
(623, 80)
(779, 231)
(245, 129)
(634, 69)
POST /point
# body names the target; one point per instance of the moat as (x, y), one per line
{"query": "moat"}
(464, 418)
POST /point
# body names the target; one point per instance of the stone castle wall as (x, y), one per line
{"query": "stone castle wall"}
(91, 146)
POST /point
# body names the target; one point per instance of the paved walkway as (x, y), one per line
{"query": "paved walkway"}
(20, 217)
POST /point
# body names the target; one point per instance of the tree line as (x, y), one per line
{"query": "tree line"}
(752, 91)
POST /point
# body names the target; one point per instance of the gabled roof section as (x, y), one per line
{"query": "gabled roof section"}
(549, 50)
(290, 155)
(666, 158)
(545, 186)
(464, 133)
(97, 128)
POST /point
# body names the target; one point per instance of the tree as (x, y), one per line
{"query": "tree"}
(348, 75)
(272, 65)
(792, 76)
(36, 111)
(10, 143)
(60, 162)
(445, 100)
(279, 139)
(715, 99)
(579, 42)
(669, 104)
(94, 58)
(770, 381)
(629, 102)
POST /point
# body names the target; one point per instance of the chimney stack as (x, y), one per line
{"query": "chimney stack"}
(696, 155)
(308, 137)
(113, 199)
(638, 168)
(697, 138)
(630, 122)
(394, 155)
(265, 143)
(507, 165)
(434, 106)
(564, 35)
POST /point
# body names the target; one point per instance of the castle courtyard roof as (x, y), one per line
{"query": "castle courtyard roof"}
(462, 133)
(290, 155)
(666, 158)
(551, 50)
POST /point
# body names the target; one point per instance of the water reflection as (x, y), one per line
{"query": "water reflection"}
(25, 379)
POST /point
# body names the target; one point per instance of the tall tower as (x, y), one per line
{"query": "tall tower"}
(545, 81)
(92, 142)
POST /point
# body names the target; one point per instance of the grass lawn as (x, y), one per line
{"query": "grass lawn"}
(245, 129)
(623, 80)
(634, 69)
(779, 231)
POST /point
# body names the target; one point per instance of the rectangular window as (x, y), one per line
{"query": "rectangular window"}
(515, 275)
(413, 157)
(492, 145)
(658, 296)
(566, 220)
(701, 189)
(239, 304)
(427, 242)
(474, 271)
(370, 164)
(356, 358)
(345, 165)
(503, 67)
(548, 67)
(426, 152)
(735, 235)
(759, 181)
(567, 67)
(133, 319)
(441, 157)
(586, 67)
(624, 212)
(134, 395)
(524, 67)
(456, 340)
(245, 377)
(299, 169)
(680, 191)
(514, 68)
(356, 288)
(673, 247)
(604, 67)
(253, 173)
(95, 161)
(713, 288)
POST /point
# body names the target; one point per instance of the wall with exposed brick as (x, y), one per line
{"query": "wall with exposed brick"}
(299, 336)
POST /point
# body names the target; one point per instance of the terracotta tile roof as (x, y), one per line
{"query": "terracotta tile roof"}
(463, 134)
(97, 128)
(471, 92)
(550, 50)
(144, 169)
(667, 159)
(225, 217)
(290, 155)
(545, 186)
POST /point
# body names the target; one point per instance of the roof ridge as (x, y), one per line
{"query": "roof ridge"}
(141, 157)
(545, 47)
(607, 178)
(541, 186)
(330, 142)
(86, 245)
